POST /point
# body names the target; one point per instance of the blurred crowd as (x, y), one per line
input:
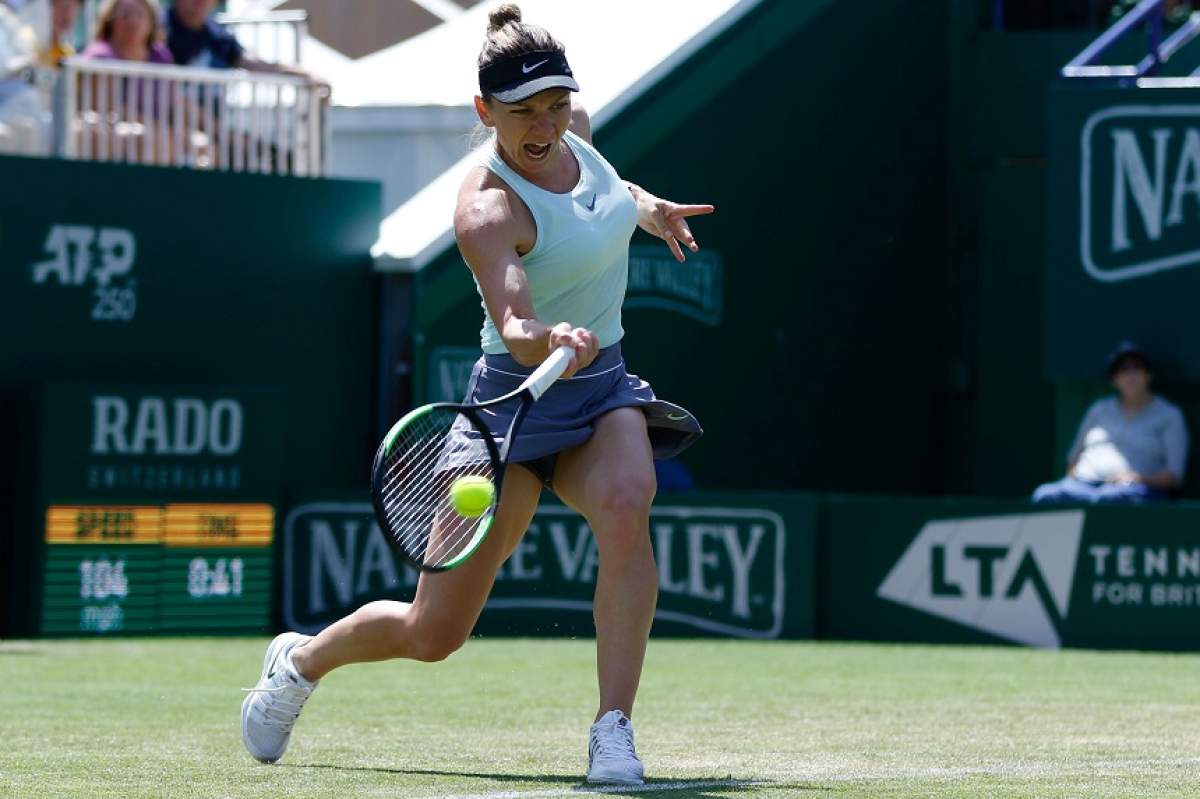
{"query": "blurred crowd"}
(37, 35)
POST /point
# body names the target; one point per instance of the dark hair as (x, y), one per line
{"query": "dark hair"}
(1127, 351)
(107, 14)
(508, 37)
(1123, 360)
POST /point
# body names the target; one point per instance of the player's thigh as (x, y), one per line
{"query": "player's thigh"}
(611, 476)
(451, 601)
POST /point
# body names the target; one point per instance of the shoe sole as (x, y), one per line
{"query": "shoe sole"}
(600, 779)
(613, 781)
(272, 650)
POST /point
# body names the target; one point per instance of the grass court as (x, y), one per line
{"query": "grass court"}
(507, 719)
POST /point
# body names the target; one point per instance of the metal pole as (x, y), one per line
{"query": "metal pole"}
(1156, 31)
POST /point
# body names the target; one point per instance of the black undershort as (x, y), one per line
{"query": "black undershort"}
(542, 468)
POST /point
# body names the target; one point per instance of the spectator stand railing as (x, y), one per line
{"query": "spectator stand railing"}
(1150, 13)
(229, 120)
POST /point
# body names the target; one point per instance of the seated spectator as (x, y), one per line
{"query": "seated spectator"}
(128, 30)
(1130, 448)
(63, 16)
(198, 40)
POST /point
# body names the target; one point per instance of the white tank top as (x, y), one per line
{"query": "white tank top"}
(579, 263)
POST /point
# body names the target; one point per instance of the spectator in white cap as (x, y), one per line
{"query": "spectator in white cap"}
(1130, 448)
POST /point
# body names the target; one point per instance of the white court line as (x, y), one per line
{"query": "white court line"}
(649, 787)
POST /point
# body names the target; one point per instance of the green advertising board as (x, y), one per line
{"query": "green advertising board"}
(147, 492)
(963, 571)
(123, 442)
(202, 567)
(731, 565)
(184, 277)
(1124, 233)
(163, 328)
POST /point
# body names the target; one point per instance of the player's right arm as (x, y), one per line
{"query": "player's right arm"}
(490, 236)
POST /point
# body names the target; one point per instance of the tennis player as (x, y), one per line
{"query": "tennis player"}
(544, 224)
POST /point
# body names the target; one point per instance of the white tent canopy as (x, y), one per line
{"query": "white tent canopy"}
(618, 50)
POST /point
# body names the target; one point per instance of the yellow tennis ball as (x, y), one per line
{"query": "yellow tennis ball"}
(471, 495)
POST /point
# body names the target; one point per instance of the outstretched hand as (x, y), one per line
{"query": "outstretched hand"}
(668, 221)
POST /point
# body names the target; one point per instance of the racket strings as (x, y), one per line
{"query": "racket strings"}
(411, 499)
(423, 461)
(420, 495)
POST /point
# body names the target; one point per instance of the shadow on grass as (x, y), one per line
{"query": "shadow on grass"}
(557, 778)
(675, 788)
(700, 789)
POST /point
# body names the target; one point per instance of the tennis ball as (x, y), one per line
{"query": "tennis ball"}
(471, 495)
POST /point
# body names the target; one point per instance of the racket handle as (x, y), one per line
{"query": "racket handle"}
(551, 369)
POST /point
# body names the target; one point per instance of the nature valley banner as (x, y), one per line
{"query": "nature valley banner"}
(1124, 228)
(730, 565)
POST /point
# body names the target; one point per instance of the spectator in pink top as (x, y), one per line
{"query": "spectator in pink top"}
(128, 117)
(129, 30)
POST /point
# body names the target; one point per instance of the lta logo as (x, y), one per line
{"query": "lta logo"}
(1010, 576)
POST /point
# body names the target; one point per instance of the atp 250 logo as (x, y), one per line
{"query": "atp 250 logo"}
(1140, 191)
(103, 257)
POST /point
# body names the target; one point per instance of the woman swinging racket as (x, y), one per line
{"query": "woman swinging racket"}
(544, 224)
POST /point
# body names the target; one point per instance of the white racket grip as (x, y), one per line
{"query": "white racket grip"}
(551, 369)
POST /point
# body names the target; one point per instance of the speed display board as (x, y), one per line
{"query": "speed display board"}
(194, 567)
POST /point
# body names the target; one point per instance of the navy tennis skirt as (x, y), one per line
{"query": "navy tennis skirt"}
(566, 414)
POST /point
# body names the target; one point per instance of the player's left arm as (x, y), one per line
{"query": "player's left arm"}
(667, 220)
(656, 216)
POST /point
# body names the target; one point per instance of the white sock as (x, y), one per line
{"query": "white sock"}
(287, 661)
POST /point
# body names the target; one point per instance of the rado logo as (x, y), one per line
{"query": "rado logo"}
(161, 426)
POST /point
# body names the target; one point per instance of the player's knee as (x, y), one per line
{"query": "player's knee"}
(436, 638)
(436, 645)
(627, 498)
(619, 522)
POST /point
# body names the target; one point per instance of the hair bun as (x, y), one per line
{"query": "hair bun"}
(499, 17)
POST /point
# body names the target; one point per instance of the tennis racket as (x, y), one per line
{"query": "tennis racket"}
(438, 447)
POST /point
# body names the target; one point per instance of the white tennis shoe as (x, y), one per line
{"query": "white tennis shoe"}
(272, 707)
(611, 754)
